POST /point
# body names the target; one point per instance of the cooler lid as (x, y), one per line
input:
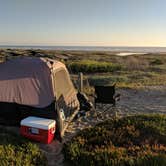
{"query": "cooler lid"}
(37, 122)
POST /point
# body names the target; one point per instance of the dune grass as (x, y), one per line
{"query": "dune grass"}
(17, 151)
(133, 72)
(132, 79)
(129, 141)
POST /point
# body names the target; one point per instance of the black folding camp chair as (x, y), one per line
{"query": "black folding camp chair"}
(106, 95)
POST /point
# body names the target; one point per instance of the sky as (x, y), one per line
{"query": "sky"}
(83, 22)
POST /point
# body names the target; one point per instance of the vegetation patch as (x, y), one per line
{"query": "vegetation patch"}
(156, 62)
(15, 150)
(130, 141)
(106, 79)
(91, 66)
(134, 79)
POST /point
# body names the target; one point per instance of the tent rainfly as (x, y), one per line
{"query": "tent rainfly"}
(35, 87)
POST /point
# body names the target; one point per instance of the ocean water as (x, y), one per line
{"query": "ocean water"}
(92, 48)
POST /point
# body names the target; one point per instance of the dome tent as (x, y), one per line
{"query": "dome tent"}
(35, 87)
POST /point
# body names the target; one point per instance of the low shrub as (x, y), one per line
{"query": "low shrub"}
(129, 141)
(15, 150)
(106, 80)
(156, 62)
(136, 63)
(90, 66)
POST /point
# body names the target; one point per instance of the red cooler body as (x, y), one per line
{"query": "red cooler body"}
(38, 129)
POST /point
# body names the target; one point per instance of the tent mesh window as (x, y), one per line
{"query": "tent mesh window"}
(62, 83)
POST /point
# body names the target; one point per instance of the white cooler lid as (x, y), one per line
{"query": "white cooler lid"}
(37, 122)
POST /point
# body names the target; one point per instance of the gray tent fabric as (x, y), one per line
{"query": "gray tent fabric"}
(29, 81)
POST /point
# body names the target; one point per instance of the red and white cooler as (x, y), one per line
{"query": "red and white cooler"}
(38, 129)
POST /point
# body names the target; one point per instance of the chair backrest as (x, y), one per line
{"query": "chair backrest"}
(105, 94)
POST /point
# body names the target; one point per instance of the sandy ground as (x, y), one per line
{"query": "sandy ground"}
(148, 100)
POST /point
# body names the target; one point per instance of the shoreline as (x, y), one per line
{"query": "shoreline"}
(136, 50)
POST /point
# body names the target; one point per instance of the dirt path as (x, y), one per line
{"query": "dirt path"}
(148, 100)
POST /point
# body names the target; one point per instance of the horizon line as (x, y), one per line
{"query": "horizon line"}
(37, 45)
